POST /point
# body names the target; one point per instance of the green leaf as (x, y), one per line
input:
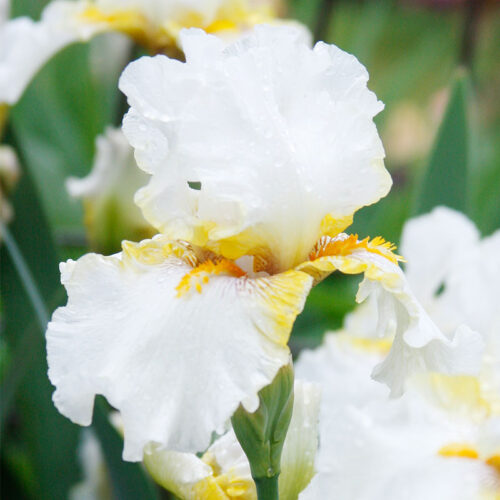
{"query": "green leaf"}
(446, 177)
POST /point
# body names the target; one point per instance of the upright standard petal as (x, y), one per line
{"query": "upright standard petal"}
(173, 343)
(277, 138)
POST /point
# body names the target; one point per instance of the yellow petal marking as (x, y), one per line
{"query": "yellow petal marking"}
(283, 296)
(252, 241)
(465, 450)
(155, 251)
(233, 15)
(224, 486)
(200, 275)
(368, 345)
(463, 394)
(331, 226)
(494, 461)
(133, 23)
(280, 297)
(458, 450)
(458, 393)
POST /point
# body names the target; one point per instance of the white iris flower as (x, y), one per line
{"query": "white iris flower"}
(259, 155)
(26, 45)
(441, 440)
(465, 283)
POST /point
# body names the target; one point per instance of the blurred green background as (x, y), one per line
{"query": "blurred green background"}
(434, 64)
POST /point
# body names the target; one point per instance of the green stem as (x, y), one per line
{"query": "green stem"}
(267, 487)
(262, 433)
(27, 280)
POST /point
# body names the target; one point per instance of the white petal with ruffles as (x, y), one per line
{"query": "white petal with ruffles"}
(419, 345)
(176, 367)
(278, 134)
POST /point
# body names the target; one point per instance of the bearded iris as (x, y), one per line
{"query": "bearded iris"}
(259, 154)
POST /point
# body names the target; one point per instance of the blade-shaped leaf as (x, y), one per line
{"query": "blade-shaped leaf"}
(446, 177)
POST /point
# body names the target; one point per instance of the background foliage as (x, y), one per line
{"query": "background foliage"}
(436, 69)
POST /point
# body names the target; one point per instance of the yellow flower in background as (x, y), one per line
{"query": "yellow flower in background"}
(259, 153)
(26, 45)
